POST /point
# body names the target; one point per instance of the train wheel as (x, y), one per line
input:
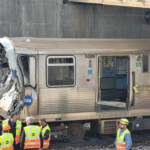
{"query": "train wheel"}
(76, 131)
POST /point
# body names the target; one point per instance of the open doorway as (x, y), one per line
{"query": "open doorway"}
(113, 82)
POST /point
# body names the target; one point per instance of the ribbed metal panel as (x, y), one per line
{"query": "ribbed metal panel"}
(142, 100)
(66, 100)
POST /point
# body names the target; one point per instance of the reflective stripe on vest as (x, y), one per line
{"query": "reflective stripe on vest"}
(5, 122)
(46, 142)
(32, 137)
(6, 141)
(120, 143)
(18, 130)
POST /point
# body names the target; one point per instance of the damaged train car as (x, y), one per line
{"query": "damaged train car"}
(77, 81)
(11, 90)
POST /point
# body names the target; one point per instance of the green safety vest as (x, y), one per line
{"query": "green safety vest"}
(120, 143)
(32, 137)
(18, 130)
(44, 129)
(6, 141)
(46, 142)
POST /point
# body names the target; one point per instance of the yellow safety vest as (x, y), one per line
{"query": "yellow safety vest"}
(18, 130)
(6, 141)
(32, 137)
(46, 142)
(120, 143)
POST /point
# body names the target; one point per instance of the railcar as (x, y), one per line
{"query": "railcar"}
(76, 82)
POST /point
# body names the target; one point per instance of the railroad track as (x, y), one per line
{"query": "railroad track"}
(141, 141)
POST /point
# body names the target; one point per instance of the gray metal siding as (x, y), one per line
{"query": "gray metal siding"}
(66, 100)
(142, 99)
(79, 98)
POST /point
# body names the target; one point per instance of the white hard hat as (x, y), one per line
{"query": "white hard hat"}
(30, 119)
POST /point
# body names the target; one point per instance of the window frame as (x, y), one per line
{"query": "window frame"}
(60, 64)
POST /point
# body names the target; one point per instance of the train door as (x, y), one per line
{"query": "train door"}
(113, 82)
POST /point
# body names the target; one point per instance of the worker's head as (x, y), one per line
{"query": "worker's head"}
(123, 123)
(42, 122)
(6, 127)
(29, 120)
(14, 117)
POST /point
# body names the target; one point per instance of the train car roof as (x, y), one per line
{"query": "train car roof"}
(70, 45)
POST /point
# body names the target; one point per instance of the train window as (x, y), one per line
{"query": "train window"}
(145, 63)
(60, 71)
(121, 65)
(108, 65)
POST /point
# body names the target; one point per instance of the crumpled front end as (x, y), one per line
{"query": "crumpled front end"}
(11, 86)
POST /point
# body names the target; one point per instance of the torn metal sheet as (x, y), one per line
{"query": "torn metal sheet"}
(11, 89)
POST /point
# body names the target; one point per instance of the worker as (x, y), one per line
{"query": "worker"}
(31, 137)
(6, 139)
(45, 129)
(16, 128)
(123, 138)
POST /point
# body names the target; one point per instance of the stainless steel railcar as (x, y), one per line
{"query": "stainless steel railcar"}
(85, 80)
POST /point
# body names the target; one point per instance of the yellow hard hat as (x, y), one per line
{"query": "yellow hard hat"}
(124, 121)
(6, 127)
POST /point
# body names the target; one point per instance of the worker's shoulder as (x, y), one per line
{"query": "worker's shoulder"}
(30, 126)
(19, 121)
(127, 131)
(5, 120)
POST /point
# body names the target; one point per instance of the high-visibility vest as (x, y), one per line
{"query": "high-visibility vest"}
(18, 130)
(120, 143)
(6, 141)
(46, 142)
(32, 137)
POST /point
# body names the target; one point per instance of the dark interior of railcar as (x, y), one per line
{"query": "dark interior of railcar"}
(114, 73)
